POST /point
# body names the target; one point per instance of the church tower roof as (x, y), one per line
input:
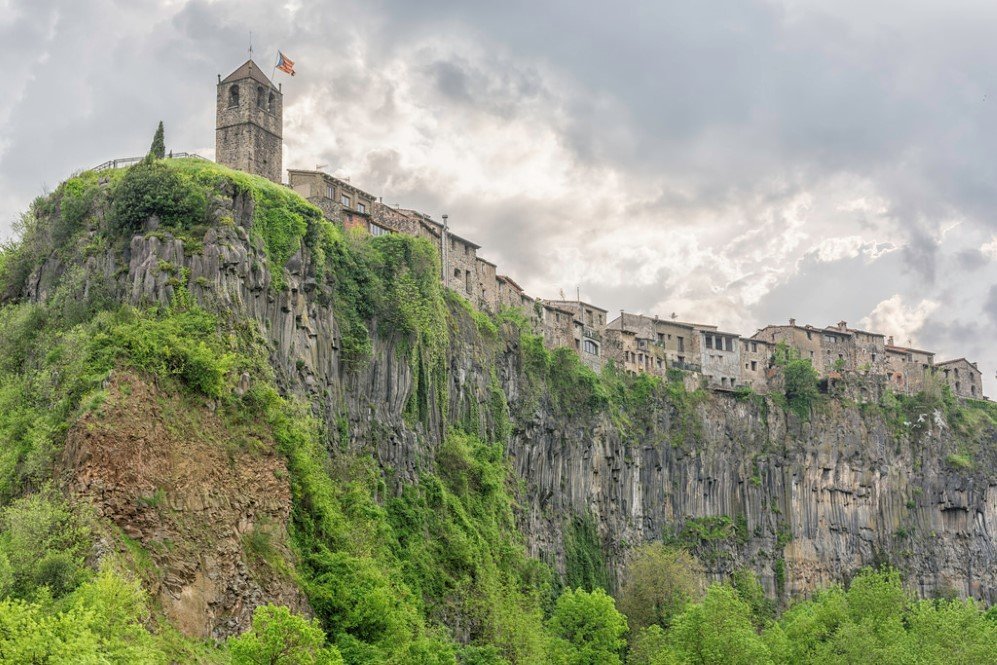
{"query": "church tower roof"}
(249, 69)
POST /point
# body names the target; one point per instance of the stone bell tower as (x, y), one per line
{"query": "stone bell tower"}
(248, 126)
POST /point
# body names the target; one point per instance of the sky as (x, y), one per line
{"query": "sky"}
(733, 162)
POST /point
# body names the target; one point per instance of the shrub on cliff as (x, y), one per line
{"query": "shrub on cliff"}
(801, 386)
(152, 188)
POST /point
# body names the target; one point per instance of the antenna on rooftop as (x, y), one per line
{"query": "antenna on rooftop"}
(250, 44)
(673, 316)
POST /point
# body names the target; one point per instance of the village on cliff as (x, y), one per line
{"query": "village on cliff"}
(248, 137)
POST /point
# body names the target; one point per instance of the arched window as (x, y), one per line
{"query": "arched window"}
(233, 95)
(260, 97)
(270, 103)
(591, 347)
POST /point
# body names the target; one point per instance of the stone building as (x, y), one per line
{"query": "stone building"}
(588, 327)
(337, 199)
(756, 363)
(511, 295)
(720, 358)
(907, 368)
(249, 123)
(963, 377)
(557, 325)
(678, 342)
(831, 350)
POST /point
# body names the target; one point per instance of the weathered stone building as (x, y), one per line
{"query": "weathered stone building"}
(249, 123)
(720, 358)
(337, 199)
(907, 369)
(962, 376)
(756, 363)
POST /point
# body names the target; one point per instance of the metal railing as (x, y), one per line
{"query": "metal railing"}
(122, 162)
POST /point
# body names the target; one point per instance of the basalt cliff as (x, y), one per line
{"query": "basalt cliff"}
(595, 465)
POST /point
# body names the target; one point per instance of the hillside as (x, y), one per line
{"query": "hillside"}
(213, 399)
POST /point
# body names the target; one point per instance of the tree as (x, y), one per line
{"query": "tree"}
(718, 631)
(279, 637)
(588, 628)
(43, 543)
(659, 582)
(158, 149)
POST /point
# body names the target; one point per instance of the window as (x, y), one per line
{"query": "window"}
(972, 390)
(376, 230)
(681, 341)
(233, 96)
(270, 103)
(361, 207)
(808, 335)
(709, 341)
(874, 357)
(467, 250)
(330, 193)
(456, 273)
(591, 347)
(345, 200)
(467, 280)
(730, 343)
(754, 347)
(661, 337)
(830, 339)
(261, 98)
(754, 365)
(641, 344)
(659, 364)
(723, 381)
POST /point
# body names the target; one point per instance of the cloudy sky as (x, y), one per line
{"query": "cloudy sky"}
(732, 162)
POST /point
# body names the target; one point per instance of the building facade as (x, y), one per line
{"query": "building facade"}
(962, 376)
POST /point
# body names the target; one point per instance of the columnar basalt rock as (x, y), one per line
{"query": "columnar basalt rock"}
(803, 503)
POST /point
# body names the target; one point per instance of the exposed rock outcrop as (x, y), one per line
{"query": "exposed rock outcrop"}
(803, 503)
(208, 501)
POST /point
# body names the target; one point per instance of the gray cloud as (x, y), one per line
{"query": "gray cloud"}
(733, 161)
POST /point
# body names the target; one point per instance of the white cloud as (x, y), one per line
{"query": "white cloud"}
(895, 317)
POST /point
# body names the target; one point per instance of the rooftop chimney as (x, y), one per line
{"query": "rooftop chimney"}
(842, 325)
(792, 322)
(889, 340)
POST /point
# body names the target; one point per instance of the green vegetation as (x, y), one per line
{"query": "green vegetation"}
(660, 581)
(800, 381)
(158, 148)
(584, 563)
(874, 620)
(588, 628)
(278, 636)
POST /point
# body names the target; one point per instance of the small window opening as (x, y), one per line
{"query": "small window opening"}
(233, 96)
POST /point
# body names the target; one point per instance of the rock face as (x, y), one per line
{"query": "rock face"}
(802, 503)
(207, 503)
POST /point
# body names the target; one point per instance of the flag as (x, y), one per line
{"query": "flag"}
(285, 65)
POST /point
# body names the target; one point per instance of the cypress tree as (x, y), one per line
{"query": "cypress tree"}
(158, 149)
